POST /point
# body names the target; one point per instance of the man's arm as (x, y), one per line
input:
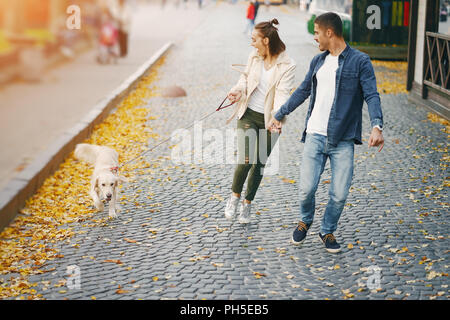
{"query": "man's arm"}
(299, 95)
(371, 96)
(283, 88)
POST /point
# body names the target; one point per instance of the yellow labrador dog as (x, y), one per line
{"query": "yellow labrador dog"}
(105, 178)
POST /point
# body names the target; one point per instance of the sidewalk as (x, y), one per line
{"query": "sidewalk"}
(172, 241)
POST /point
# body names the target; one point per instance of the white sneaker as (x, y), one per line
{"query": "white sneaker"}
(245, 209)
(231, 207)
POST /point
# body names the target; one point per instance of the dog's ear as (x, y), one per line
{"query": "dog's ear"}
(94, 182)
(122, 178)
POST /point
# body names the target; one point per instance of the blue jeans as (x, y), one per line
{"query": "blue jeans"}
(250, 26)
(315, 155)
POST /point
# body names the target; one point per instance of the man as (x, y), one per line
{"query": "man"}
(256, 3)
(122, 15)
(338, 81)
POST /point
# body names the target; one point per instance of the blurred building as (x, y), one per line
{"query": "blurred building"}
(20, 16)
(386, 39)
(428, 77)
(35, 30)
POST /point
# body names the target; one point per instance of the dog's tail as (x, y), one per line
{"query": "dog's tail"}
(86, 152)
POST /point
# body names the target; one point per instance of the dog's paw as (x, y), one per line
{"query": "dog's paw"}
(112, 214)
(99, 206)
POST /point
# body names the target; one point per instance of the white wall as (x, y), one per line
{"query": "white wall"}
(418, 70)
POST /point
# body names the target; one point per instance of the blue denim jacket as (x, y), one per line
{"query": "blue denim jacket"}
(355, 82)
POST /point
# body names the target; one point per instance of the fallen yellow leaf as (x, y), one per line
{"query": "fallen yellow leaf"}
(121, 291)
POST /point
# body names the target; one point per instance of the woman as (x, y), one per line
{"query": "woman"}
(263, 87)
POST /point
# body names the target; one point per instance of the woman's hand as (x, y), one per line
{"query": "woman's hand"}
(275, 126)
(234, 96)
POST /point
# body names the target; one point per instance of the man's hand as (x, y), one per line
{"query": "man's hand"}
(234, 96)
(376, 139)
(275, 126)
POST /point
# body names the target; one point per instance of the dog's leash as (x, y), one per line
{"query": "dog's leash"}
(221, 107)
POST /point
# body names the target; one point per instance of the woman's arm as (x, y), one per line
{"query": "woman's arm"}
(284, 88)
(241, 85)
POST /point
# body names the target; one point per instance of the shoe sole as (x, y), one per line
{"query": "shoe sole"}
(328, 249)
(243, 220)
(229, 217)
(297, 243)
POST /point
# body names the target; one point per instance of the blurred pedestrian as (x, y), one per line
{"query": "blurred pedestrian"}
(256, 4)
(108, 39)
(250, 18)
(123, 16)
(308, 2)
(267, 3)
(261, 90)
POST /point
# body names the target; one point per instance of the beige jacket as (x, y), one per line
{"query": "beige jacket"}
(280, 87)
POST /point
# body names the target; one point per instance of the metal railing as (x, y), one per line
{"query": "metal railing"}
(437, 57)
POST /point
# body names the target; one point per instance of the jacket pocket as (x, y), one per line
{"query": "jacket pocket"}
(349, 82)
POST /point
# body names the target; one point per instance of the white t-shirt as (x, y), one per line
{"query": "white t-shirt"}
(258, 97)
(326, 87)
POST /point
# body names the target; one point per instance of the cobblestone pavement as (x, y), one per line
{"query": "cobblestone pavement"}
(173, 241)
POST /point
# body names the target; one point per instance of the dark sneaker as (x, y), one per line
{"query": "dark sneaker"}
(299, 234)
(330, 243)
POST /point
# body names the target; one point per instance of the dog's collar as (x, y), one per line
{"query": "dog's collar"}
(114, 170)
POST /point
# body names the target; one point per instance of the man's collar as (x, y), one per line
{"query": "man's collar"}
(346, 50)
(343, 53)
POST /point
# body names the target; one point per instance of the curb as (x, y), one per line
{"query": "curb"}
(14, 195)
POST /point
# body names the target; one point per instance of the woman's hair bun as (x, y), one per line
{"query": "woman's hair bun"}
(274, 21)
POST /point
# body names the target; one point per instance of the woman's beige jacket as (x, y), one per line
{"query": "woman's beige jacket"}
(280, 85)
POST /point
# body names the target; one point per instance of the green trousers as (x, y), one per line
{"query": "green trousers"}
(255, 144)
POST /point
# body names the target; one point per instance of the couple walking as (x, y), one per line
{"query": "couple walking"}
(339, 80)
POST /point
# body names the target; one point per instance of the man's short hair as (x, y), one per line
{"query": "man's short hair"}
(330, 20)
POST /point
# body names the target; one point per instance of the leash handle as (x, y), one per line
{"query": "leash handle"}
(228, 105)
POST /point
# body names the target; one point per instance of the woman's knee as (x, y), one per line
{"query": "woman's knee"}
(243, 167)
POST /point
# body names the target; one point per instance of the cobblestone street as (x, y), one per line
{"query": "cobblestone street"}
(171, 240)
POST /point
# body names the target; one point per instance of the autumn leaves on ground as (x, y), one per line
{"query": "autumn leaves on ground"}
(391, 76)
(31, 238)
